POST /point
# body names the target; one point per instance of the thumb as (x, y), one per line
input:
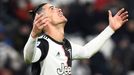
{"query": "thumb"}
(110, 14)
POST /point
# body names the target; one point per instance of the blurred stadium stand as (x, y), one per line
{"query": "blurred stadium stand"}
(86, 19)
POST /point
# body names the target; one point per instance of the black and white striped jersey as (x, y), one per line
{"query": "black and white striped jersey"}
(50, 57)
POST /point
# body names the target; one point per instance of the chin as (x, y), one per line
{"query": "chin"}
(61, 20)
(65, 19)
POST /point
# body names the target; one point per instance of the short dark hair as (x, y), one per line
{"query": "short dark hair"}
(36, 10)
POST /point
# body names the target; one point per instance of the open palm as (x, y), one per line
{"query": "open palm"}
(118, 20)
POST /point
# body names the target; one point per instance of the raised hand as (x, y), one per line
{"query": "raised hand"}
(115, 22)
(40, 22)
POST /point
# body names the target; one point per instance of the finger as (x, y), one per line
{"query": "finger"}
(124, 17)
(110, 14)
(125, 21)
(124, 14)
(42, 23)
(45, 19)
(120, 11)
(45, 24)
(38, 16)
(41, 27)
(39, 21)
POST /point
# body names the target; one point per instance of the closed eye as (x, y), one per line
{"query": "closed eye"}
(51, 7)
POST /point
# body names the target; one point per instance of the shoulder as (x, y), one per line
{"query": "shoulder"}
(43, 37)
(43, 45)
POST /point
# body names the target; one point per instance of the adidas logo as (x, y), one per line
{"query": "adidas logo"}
(58, 54)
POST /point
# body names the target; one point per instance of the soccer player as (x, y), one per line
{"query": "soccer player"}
(47, 49)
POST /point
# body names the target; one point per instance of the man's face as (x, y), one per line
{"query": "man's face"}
(54, 14)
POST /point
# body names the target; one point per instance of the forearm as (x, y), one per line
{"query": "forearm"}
(94, 45)
(29, 49)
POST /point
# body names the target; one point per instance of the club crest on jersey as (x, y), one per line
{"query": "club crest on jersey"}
(64, 70)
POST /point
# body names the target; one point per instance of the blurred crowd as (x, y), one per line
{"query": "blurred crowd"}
(86, 19)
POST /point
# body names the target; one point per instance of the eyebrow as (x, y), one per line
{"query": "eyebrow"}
(51, 7)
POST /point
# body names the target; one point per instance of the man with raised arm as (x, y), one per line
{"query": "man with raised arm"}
(47, 49)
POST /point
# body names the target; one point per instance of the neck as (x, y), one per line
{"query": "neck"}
(56, 32)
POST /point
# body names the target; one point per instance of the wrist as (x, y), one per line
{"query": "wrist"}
(33, 35)
(112, 27)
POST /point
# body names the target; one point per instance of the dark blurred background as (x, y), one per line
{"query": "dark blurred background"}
(86, 19)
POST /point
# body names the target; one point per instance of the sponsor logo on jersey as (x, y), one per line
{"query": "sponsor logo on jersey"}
(64, 70)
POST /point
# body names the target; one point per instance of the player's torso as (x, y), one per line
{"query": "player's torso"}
(55, 62)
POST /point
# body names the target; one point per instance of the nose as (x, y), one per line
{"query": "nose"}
(60, 9)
